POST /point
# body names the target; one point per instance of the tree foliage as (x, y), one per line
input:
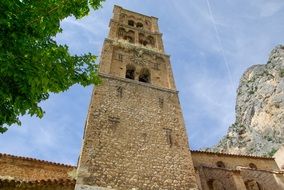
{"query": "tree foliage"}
(32, 64)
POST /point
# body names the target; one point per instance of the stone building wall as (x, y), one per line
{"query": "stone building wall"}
(218, 171)
(20, 168)
(135, 136)
(135, 140)
(232, 161)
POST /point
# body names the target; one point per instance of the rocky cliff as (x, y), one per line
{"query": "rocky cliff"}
(259, 125)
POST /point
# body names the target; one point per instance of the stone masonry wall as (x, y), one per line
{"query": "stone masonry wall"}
(266, 179)
(18, 185)
(135, 139)
(19, 168)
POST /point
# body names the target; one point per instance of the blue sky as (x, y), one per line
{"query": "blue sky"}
(211, 44)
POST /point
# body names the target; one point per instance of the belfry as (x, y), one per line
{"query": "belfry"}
(135, 136)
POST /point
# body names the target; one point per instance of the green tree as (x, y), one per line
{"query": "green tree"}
(32, 64)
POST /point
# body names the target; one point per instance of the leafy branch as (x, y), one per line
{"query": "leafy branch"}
(32, 64)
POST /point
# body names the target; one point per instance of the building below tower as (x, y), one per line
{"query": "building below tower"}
(213, 171)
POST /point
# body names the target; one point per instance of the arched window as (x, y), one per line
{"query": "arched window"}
(130, 72)
(131, 23)
(121, 32)
(252, 166)
(253, 185)
(220, 164)
(141, 38)
(144, 76)
(151, 40)
(129, 36)
(129, 39)
(215, 185)
(139, 25)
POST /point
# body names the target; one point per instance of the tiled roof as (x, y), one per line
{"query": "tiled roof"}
(233, 155)
(36, 160)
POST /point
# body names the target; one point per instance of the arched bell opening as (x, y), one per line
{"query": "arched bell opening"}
(139, 25)
(145, 76)
(131, 23)
(130, 72)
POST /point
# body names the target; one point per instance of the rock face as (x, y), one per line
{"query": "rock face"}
(259, 125)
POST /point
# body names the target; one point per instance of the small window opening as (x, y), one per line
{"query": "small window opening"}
(144, 76)
(131, 23)
(139, 25)
(120, 57)
(119, 91)
(252, 166)
(169, 136)
(130, 72)
(220, 164)
(161, 102)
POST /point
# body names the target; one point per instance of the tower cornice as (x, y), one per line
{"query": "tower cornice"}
(126, 44)
(117, 6)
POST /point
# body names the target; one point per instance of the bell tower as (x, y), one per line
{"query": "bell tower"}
(134, 135)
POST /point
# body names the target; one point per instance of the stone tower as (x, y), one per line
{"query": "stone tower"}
(134, 135)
